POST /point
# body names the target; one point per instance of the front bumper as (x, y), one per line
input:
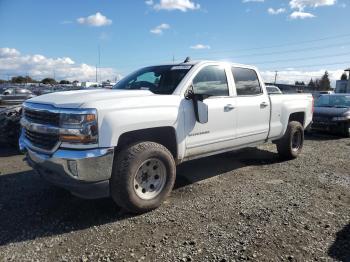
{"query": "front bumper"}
(85, 173)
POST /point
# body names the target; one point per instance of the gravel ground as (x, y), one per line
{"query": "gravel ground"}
(245, 205)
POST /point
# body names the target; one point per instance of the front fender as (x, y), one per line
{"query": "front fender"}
(115, 123)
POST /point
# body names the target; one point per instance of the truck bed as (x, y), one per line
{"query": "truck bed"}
(282, 106)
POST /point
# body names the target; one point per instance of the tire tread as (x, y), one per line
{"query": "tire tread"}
(120, 188)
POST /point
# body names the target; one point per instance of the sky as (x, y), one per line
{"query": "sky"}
(63, 39)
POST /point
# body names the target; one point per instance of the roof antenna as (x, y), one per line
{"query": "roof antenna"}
(188, 59)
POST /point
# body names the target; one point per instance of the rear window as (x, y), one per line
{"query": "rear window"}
(247, 82)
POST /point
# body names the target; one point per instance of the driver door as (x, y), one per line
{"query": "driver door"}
(219, 132)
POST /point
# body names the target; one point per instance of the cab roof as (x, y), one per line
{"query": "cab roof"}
(199, 62)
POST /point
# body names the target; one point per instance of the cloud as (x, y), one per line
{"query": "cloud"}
(39, 66)
(200, 46)
(181, 5)
(149, 2)
(6, 52)
(301, 15)
(97, 19)
(253, 1)
(292, 75)
(158, 30)
(278, 11)
(301, 4)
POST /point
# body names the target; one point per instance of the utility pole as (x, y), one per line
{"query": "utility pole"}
(96, 74)
(173, 59)
(276, 73)
(99, 61)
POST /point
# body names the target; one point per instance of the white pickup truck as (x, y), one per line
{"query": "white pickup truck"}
(126, 142)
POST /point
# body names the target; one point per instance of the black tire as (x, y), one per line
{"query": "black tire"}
(287, 147)
(126, 166)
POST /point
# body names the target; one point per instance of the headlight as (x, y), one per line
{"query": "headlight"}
(75, 120)
(341, 118)
(79, 128)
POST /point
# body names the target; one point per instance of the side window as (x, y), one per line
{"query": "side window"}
(211, 81)
(247, 82)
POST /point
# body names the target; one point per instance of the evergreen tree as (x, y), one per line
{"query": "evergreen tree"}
(317, 85)
(344, 76)
(312, 84)
(325, 83)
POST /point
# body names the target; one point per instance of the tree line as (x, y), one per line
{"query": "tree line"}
(28, 79)
(322, 84)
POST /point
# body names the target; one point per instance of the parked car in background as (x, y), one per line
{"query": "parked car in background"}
(273, 90)
(332, 113)
(10, 125)
(317, 94)
(15, 96)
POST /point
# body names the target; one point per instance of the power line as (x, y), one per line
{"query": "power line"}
(314, 65)
(314, 48)
(300, 59)
(258, 48)
(292, 50)
(281, 45)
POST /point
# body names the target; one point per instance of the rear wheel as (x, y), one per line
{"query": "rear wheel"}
(291, 144)
(143, 176)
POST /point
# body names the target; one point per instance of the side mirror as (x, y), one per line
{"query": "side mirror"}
(200, 108)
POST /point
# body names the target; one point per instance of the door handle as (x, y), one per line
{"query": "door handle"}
(264, 104)
(228, 107)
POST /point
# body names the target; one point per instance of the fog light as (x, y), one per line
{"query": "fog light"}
(72, 167)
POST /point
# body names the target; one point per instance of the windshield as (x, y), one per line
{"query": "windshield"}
(161, 80)
(333, 101)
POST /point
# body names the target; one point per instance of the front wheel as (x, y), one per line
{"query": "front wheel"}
(291, 144)
(143, 176)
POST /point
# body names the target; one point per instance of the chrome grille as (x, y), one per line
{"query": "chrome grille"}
(42, 117)
(42, 141)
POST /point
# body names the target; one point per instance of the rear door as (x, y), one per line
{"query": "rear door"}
(253, 107)
(219, 132)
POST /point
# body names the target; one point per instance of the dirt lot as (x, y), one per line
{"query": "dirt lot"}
(239, 206)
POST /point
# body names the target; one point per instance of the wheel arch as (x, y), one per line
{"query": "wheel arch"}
(165, 136)
(297, 116)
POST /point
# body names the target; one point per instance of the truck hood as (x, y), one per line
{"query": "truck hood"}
(330, 111)
(76, 99)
